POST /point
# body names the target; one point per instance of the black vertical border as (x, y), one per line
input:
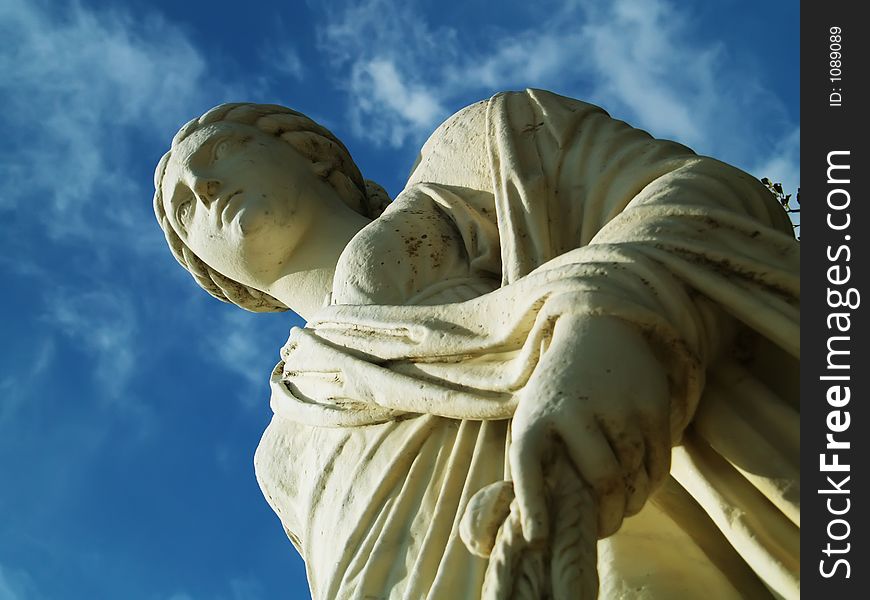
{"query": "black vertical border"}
(826, 128)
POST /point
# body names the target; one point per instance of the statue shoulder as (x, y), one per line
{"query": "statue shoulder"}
(455, 154)
(400, 254)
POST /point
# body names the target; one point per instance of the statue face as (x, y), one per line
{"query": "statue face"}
(241, 199)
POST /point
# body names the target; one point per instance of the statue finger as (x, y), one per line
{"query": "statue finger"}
(629, 447)
(526, 454)
(637, 490)
(593, 457)
(658, 453)
(627, 442)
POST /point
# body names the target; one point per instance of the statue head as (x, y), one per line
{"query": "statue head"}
(236, 188)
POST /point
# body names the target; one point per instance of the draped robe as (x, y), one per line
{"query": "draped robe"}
(393, 405)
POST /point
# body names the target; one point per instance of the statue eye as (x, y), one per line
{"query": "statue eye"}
(184, 211)
(222, 148)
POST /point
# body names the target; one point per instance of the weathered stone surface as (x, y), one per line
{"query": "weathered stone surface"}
(566, 352)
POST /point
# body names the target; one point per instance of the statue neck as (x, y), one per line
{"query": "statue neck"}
(305, 284)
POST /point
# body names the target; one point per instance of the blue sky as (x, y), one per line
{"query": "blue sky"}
(131, 402)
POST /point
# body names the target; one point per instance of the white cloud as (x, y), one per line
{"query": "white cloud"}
(638, 62)
(16, 584)
(78, 85)
(404, 107)
(529, 55)
(640, 59)
(782, 163)
(287, 61)
(223, 456)
(377, 50)
(12, 385)
(246, 588)
(244, 344)
(104, 324)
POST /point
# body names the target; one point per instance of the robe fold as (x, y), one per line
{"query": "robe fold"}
(392, 406)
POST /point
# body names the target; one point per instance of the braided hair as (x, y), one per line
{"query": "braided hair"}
(313, 142)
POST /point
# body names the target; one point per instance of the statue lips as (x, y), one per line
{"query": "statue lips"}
(223, 205)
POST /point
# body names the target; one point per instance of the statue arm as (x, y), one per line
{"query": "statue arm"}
(725, 246)
(675, 225)
(665, 238)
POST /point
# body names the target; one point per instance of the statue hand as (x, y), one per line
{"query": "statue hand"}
(601, 396)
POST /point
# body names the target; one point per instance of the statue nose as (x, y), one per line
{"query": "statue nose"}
(206, 189)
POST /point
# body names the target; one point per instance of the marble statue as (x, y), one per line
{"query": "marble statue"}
(561, 362)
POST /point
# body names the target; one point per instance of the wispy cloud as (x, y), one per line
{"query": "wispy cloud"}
(103, 324)
(286, 61)
(649, 66)
(640, 59)
(12, 384)
(384, 55)
(246, 588)
(85, 91)
(78, 87)
(16, 584)
(404, 107)
(782, 164)
(238, 588)
(245, 345)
